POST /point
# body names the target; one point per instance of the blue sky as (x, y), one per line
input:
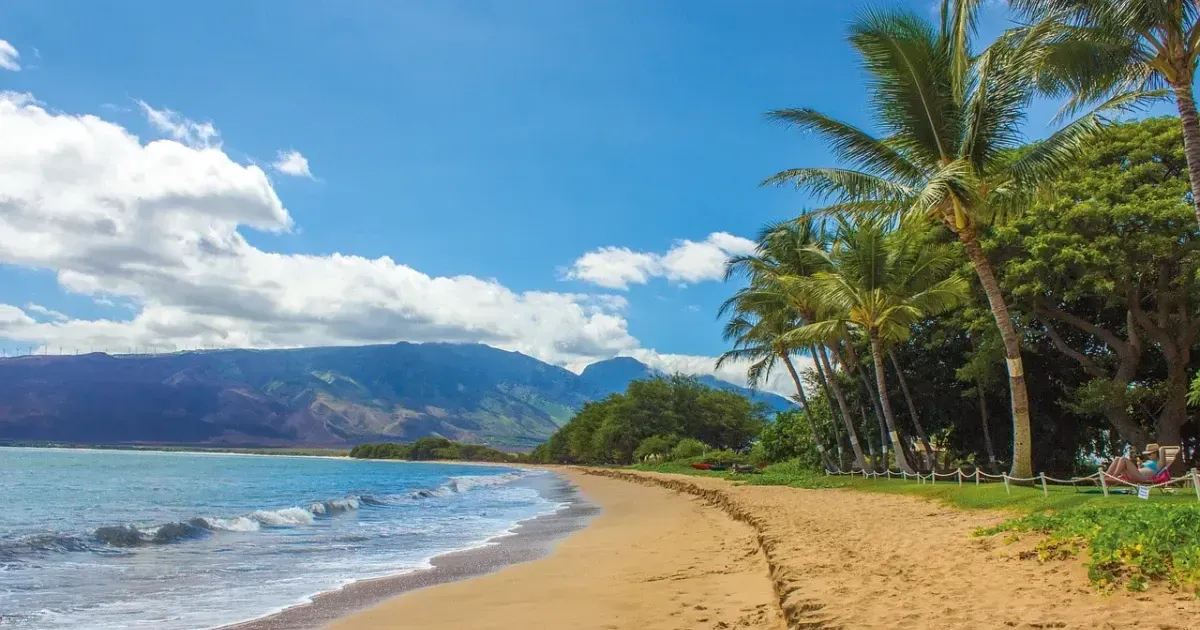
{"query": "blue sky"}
(499, 141)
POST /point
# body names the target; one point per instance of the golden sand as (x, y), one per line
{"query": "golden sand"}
(682, 553)
(653, 560)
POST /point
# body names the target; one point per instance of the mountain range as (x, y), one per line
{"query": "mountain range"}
(331, 396)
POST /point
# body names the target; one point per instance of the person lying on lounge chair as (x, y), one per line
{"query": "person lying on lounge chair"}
(1125, 468)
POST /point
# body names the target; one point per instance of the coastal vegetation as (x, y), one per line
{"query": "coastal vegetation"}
(955, 271)
(432, 449)
(674, 417)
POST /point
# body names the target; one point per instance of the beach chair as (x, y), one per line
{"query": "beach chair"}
(1170, 464)
(1169, 461)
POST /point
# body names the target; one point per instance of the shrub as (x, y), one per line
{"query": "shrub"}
(722, 457)
(1130, 545)
(789, 437)
(659, 445)
(757, 455)
(687, 448)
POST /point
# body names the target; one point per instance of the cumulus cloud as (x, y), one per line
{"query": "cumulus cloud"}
(292, 163)
(778, 382)
(686, 261)
(156, 224)
(9, 56)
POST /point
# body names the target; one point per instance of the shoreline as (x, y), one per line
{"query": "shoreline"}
(528, 540)
(654, 559)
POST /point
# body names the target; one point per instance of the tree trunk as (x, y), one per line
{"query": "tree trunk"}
(841, 400)
(1022, 453)
(912, 408)
(1167, 429)
(881, 383)
(812, 423)
(837, 435)
(987, 432)
(1129, 357)
(1185, 100)
(870, 393)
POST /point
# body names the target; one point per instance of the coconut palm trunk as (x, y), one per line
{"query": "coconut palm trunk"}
(812, 422)
(841, 401)
(829, 399)
(881, 383)
(1185, 101)
(912, 409)
(1022, 465)
(987, 432)
(851, 359)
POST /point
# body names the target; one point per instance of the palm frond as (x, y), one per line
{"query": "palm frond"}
(908, 65)
(851, 144)
(841, 184)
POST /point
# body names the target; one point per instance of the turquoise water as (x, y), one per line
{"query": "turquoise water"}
(121, 539)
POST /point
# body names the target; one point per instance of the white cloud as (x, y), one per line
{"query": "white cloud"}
(157, 224)
(45, 312)
(686, 261)
(778, 382)
(292, 163)
(177, 127)
(9, 56)
(615, 268)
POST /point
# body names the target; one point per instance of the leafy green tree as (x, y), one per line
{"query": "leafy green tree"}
(1106, 261)
(880, 285)
(655, 445)
(1108, 50)
(610, 431)
(949, 115)
(787, 437)
(687, 448)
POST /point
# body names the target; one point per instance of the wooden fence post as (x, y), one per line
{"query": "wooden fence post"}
(959, 477)
(1005, 478)
(1103, 481)
(1045, 492)
(977, 475)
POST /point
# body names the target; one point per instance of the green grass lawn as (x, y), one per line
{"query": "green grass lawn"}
(1130, 542)
(985, 496)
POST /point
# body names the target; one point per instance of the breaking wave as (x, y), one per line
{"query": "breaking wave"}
(118, 538)
(459, 485)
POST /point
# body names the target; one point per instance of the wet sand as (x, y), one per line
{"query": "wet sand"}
(675, 552)
(652, 560)
(530, 540)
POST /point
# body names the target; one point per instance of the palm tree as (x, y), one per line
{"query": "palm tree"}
(759, 319)
(880, 284)
(912, 410)
(784, 251)
(950, 119)
(1134, 50)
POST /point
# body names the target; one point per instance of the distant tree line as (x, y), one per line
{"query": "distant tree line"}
(659, 417)
(432, 449)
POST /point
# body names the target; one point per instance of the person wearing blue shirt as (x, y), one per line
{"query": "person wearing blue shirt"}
(1125, 468)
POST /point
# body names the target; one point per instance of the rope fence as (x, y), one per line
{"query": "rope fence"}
(978, 477)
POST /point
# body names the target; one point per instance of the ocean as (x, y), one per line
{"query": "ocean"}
(134, 539)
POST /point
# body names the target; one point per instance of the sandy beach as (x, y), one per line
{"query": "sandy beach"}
(677, 553)
(652, 560)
